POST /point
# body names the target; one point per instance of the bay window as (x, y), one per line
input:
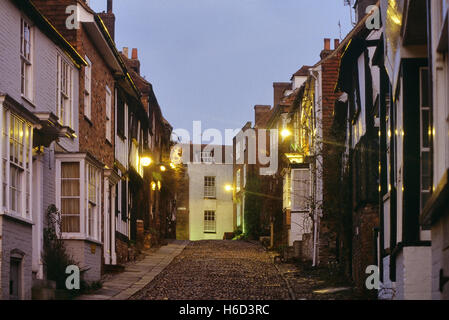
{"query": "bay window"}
(15, 165)
(78, 192)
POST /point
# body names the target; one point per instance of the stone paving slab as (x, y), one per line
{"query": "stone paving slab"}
(135, 277)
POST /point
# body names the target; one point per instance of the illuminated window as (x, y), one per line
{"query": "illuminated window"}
(15, 166)
(209, 222)
(209, 187)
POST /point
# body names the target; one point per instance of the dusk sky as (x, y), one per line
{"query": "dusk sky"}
(213, 60)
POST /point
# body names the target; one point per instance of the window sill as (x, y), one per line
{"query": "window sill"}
(88, 120)
(17, 218)
(28, 101)
(210, 232)
(210, 198)
(80, 237)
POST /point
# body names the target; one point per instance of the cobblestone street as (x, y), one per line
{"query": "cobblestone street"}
(218, 270)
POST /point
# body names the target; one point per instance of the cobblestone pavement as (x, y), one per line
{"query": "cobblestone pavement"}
(218, 270)
(309, 283)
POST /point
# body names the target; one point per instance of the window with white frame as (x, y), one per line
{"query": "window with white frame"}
(287, 191)
(301, 189)
(108, 114)
(207, 156)
(78, 195)
(92, 206)
(64, 108)
(210, 225)
(88, 89)
(16, 165)
(70, 197)
(26, 59)
(237, 180)
(209, 187)
(426, 136)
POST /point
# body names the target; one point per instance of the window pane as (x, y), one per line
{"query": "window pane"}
(70, 188)
(70, 170)
(426, 129)
(425, 171)
(425, 101)
(70, 206)
(70, 224)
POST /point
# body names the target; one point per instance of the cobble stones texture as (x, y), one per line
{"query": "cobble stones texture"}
(218, 270)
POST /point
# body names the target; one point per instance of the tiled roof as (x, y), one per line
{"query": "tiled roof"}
(303, 72)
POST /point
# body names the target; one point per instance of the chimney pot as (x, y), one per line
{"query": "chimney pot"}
(134, 54)
(126, 52)
(336, 43)
(109, 6)
(327, 44)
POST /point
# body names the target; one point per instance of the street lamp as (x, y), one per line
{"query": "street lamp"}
(146, 161)
(285, 133)
(228, 188)
(163, 168)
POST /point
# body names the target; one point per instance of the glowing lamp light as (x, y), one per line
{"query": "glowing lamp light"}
(172, 165)
(159, 185)
(153, 186)
(228, 188)
(146, 161)
(285, 133)
(163, 168)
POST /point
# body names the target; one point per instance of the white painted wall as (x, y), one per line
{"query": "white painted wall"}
(222, 205)
(413, 274)
(44, 99)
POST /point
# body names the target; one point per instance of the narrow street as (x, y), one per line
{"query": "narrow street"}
(218, 270)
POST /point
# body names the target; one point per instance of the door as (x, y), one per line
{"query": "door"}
(15, 279)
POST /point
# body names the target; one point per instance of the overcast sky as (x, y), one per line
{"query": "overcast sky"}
(213, 60)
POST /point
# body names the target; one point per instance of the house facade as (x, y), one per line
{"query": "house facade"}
(209, 171)
(39, 116)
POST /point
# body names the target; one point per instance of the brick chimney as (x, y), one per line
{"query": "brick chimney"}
(327, 48)
(336, 43)
(109, 19)
(134, 63)
(259, 112)
(279, 89)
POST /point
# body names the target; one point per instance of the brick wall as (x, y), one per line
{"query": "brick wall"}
(121, 249)
(15, 235)
(365, 220)
(88, 255)
(330, 71)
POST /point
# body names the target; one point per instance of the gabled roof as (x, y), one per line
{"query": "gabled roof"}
(302, 72)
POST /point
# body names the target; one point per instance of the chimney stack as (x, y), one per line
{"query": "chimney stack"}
(279, 90)
(109, 6)
(109, 19)
(327, 44)
(134, 54)
(126, 52)
(259, 112)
